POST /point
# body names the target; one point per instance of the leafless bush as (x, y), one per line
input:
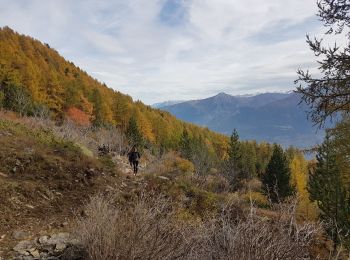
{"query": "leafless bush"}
(70, 131)
(147, 229)
(216, 183)
(255, 237)
(112, 138)
(144, 230)
(92, 137)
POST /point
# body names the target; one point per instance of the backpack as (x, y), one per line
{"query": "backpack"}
(134, 156)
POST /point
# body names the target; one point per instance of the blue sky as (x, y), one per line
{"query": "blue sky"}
(157, 50)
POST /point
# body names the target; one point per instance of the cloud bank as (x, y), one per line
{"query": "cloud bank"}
(156, 50)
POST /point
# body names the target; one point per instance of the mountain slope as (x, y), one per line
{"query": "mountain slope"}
(34, 78)
(166, 103)
(271, 117)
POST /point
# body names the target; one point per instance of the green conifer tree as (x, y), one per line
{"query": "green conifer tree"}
(234, 148)
(185, 145)
(133, 133)
(326, 188)
(276, 180)
(232, 167)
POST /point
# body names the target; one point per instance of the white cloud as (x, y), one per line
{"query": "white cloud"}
(218, 45)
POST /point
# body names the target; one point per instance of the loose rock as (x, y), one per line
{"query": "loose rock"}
(24, 246)
(20, 234)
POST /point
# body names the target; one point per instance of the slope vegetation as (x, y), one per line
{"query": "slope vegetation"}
(34, 78)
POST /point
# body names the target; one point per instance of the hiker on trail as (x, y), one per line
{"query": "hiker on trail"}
(134, 157)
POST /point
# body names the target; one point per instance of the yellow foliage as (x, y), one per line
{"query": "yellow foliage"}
(174, 162)
(59, 84)
(299, 177)
(257, 198)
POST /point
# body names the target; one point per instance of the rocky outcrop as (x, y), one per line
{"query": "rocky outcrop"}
(61, 246)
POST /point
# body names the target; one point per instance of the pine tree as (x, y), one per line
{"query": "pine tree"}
(276, 180)
(234, 148)
(133, 133)
(232, 167)
(326, 188)
(185, 145)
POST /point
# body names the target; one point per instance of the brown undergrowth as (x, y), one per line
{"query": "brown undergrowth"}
(43, 179)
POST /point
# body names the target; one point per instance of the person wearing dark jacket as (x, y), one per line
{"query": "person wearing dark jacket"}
(134, 157)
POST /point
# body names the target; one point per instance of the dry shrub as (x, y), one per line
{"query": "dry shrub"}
(88, 137)
(251, 185)
(170, 163)
(148, 229)
(257, 198)
(144, 230)
(216, 183)
(255, 237)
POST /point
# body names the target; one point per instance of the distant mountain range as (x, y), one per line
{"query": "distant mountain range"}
(167, 103)
(271, 117)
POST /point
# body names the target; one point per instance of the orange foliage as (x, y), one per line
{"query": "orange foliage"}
(78, 116)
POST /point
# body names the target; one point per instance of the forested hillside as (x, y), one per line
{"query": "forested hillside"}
(64, 138)
(36, 80)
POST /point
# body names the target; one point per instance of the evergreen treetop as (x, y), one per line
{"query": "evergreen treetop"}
(276, 180)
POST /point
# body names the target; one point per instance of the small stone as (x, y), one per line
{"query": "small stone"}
(44, 255)
(20, 234)
(22, 252)
(43, 239)
(34, 253)
(60, 247)
(27, 257)
(24, 245)
(60, 238)
(2, 237)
